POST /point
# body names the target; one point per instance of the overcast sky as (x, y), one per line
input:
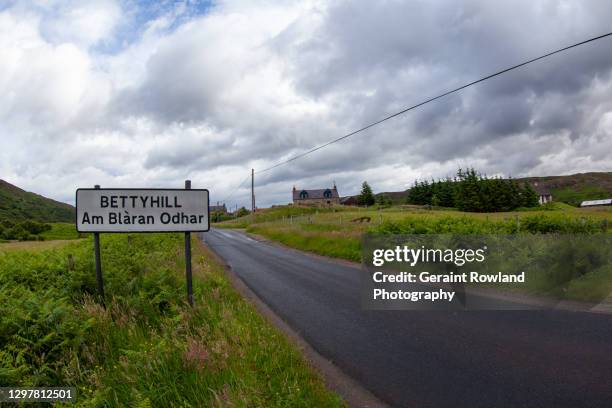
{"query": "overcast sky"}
(147, 95)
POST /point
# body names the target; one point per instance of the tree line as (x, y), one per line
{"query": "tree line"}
(471, 191)
(23, 231)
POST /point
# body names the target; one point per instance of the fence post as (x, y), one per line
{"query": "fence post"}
(518, 223)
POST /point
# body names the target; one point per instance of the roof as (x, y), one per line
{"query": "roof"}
(316, 194)
(590, 203)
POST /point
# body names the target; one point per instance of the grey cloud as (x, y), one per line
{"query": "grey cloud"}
(215, 98)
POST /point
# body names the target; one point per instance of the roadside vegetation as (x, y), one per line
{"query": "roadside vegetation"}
(148, 347)
(337, 231)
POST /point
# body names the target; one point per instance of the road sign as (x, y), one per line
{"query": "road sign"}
(142, 210)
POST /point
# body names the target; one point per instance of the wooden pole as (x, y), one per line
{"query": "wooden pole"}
(253, 191)
(188, 274)
(99, 279)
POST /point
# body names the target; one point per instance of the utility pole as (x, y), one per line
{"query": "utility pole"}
(253, 190)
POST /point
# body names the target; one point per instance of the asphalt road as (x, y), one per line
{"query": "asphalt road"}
(429, 359)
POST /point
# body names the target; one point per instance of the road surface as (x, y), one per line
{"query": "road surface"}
(429, 359)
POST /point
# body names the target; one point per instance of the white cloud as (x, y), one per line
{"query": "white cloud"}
(246, 84)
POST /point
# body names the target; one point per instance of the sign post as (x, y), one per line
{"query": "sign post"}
(99, 264)
(143, 210)
(188, 276)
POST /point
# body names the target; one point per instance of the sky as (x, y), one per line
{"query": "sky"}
(148, 94)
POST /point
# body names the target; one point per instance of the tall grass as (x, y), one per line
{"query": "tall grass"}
(338, 234)
(148, 347)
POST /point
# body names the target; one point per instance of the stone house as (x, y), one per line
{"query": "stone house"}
(319, 197)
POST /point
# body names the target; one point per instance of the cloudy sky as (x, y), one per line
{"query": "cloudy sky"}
(127, 94)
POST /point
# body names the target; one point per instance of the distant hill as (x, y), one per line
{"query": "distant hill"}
(397, 197)
(17, 204)
(575, 188)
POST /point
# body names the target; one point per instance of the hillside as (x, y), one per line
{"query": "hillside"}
(575, 188)
(17, 204)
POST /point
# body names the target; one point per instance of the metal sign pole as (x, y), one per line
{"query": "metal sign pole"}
(99, 264)
(188, 257)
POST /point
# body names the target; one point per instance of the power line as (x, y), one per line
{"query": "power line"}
(236, 189)
(431, 100)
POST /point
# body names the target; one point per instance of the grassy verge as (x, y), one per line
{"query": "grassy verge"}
(337, 233)
(148, 348)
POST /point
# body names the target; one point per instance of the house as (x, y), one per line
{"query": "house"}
(544, 195)
(319, 197)
(217, 208)
(595, 203)
(349, 200)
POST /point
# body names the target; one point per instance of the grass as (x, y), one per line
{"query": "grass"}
(148, 347)
(33, 245)
(575, 196)
(336, 232)
(61, 230)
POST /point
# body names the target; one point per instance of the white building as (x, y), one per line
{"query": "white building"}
(595, 203)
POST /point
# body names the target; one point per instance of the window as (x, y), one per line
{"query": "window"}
(327, 193)
(303, 194)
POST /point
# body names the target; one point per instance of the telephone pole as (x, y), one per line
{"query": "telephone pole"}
(253, 190)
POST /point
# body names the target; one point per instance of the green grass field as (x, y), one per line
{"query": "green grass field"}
(148, 348)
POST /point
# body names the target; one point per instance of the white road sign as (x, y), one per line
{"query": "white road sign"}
(142, 210)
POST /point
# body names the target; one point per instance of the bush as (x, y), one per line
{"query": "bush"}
(23, 231)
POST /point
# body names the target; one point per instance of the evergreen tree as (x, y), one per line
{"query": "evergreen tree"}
(471, 191)
(366, 197)
(529, 197)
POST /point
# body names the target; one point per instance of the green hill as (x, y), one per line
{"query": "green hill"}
(575, 188)
(17, 205)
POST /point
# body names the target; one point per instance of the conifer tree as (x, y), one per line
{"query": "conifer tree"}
(366, 197)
